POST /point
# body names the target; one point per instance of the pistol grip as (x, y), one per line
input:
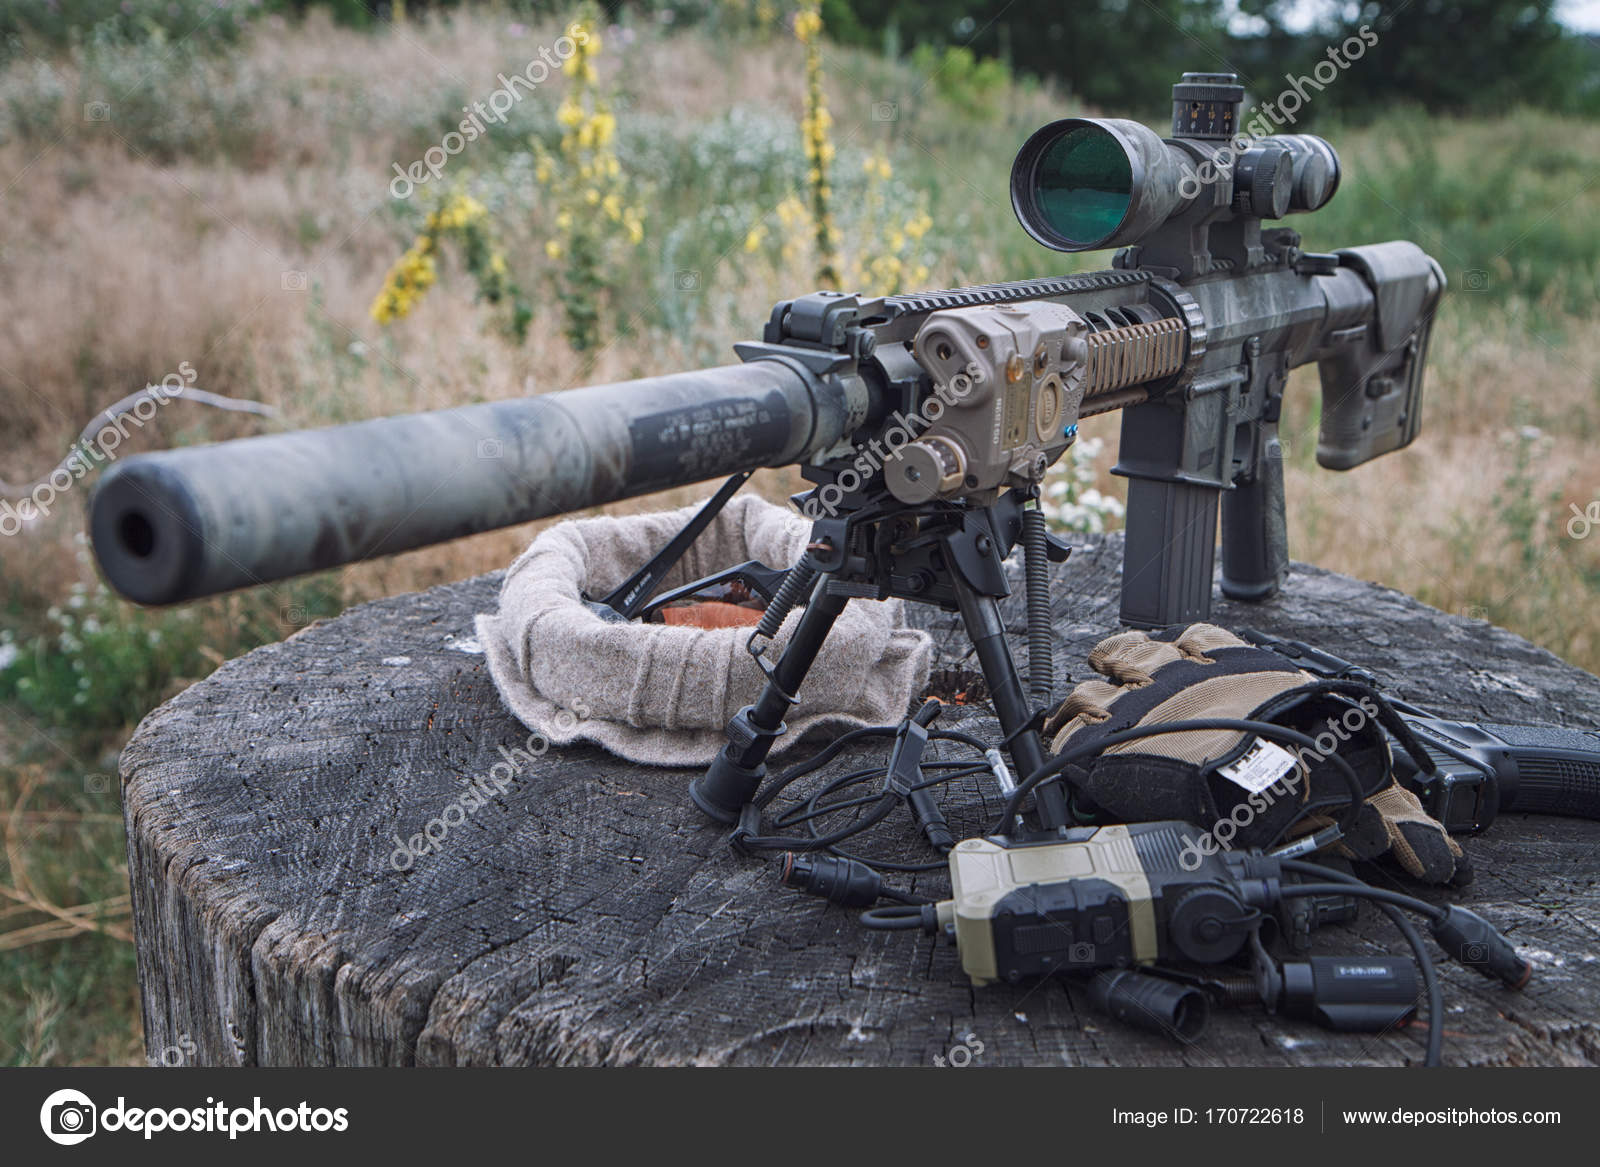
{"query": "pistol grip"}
(1255, 535)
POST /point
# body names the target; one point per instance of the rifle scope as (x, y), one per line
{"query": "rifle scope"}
(1082, 184)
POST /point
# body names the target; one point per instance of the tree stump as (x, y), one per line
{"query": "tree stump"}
(589, 915)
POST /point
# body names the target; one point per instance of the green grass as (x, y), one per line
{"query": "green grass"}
(77, 676)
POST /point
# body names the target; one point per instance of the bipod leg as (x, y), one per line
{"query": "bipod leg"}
(981, 615)
(735, 775)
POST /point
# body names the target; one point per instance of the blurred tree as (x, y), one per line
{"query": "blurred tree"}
(1450, 55)
(1120, 54)
(1478, 56)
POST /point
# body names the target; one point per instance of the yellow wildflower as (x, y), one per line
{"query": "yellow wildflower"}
(552, 248)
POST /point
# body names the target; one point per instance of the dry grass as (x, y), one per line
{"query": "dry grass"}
(130, 246)
(117, 268)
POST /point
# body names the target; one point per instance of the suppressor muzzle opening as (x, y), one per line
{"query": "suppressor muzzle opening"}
(146, 548)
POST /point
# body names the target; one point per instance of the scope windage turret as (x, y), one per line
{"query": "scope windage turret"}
(1082, 184)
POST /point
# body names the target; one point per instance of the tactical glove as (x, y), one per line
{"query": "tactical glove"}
(1244, 790)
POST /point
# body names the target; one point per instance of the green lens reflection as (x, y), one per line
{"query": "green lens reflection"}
(1083, 184)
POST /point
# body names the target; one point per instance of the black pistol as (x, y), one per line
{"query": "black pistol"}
(1481, 769)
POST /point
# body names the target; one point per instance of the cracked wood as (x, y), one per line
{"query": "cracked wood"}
(588, 915)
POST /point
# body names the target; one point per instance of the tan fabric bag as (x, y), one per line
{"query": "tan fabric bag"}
(663, 695)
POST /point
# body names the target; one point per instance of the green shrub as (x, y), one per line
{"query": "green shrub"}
(57, 24)
(95, 664)
(971, 84)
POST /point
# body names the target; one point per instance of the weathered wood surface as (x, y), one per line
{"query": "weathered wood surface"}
(590, 915)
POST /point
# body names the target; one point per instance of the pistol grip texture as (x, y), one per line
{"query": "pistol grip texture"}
(1255, 536)
(1558, 770)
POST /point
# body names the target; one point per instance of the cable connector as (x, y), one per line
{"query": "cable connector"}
(1308, 844)
(846, 882)
(935, 827)
(1478, 944)
(904, 776)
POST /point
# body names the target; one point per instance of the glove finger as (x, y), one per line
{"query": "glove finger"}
(1088, 704)
(1197, 640)
(1132, 657)
(1399, 805)
(1425, 852)
(1369, 838)
(1418, 843)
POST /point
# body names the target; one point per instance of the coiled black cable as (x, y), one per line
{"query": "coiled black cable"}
(1389, 903)
(879, 805)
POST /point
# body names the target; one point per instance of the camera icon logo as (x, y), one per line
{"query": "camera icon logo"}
(686, 280)
(1474, 953)
(491, 448)
(294, 614)
(295, 281)
(68, 1117)
(96, 111)
(1583, 522)
(1475, 612)
(886, 111)
(1475, 279)
(96, 783)
(1081, 953)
